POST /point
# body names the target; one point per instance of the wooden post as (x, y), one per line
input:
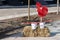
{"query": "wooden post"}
(57, 6)
(40, 19)
(28, 9)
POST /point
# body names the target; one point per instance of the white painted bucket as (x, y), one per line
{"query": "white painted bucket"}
(34, 25)
(41, 25)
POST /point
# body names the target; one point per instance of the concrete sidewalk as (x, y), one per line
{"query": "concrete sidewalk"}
(55, 34)
(19, 12)
(32, 38)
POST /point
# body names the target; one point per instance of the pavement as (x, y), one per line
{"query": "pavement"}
(54, 29)
(32, 38)
(20, 12)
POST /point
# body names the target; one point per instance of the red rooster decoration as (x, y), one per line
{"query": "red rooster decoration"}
(42, 10)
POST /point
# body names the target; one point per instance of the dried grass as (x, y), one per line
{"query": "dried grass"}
(28, 32)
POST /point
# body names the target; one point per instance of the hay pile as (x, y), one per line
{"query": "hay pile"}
(43, 32)
(28, 32)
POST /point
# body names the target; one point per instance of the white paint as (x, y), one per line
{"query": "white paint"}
(34, 25)
(41, 25)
